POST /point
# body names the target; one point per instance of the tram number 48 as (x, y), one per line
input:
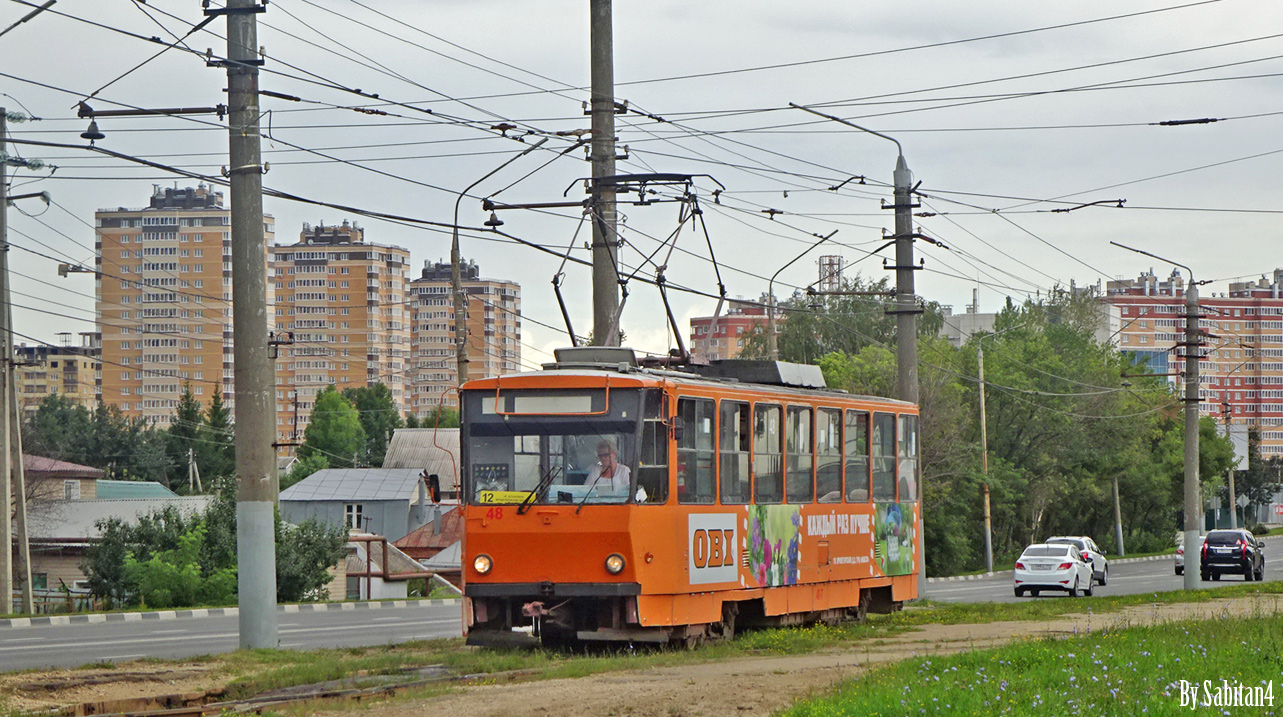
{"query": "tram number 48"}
(713, 548)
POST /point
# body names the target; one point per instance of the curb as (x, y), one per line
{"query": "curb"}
(96, 618)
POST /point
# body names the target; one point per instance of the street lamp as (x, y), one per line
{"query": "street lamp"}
(456, 279)
(906, 310)
(771, 342)
(1191, 343)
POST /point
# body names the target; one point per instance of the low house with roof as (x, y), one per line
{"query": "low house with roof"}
(52, 479)
(438, 544)
(389, 502)
(435, 451)
(444, 528)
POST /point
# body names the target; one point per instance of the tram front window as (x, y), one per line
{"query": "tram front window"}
(583, 467)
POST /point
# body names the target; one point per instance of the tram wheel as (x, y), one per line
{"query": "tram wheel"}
(862, 610)
(725, 629)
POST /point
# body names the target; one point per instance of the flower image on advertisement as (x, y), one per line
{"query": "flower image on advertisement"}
(893, 533)
(775, 543)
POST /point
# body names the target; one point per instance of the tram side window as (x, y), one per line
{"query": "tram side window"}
(857, 456)
(799, 473)
(883, 457)
(696, 477)
(908, 453)
(828, 455)
(733, 430)
(652, 466)
(768, 468)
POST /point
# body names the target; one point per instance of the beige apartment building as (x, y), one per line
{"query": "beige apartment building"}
(344, 302)
(70, 371)
(1241, 376)
(164, 300)
(726, 339)
(493, 325)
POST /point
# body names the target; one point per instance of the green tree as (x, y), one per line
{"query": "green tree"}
(411, 420)
(219, 549)
(304, 555)
(105, 562)
(334, 430)
(815, 325)
(58, 429)
(440, 417)
(127, 448)
(184, 434)
(219, 450)
(379, 417)
(174, 578)
(169, 558)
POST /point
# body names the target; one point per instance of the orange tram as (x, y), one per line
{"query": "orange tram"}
(607, 501)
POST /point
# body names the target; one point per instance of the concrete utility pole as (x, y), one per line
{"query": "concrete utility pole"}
(1229, 473)
(605, 244)
(16, 559)
(255, 376)
(906, 319)
(22, 559)
(1118, 521)
(1193, 506)
(906, 310)
(984, 455)
(6, 352)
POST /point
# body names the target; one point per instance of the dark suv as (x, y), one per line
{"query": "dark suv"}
(1232, 551)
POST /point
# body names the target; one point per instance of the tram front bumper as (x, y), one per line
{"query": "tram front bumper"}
(551, 590)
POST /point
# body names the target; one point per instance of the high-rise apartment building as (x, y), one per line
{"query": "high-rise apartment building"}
(164, 300)
(726, 341)
(70, 371)
(344, 301)
(1242, 375)
(493, 325)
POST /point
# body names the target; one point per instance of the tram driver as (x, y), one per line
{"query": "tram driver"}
(610, 472)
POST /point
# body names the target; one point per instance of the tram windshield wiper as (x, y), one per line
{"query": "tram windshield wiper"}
(536, 495)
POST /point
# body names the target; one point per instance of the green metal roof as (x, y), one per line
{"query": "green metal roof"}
(132, 489)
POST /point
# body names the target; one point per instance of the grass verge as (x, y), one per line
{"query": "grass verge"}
(1128, 671)
(257, 671)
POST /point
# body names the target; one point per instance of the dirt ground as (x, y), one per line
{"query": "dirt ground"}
(749, 686)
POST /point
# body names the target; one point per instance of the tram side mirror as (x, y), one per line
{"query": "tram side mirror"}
(679, 427)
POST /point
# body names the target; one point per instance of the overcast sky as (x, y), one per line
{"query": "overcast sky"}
(1005, 110)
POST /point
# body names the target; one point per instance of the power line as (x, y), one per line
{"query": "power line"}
(913, 48)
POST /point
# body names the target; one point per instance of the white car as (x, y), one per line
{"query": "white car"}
(1047, 566)
(1089, 551)
(1180, 552)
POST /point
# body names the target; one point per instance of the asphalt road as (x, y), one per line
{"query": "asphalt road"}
(1147, 576)
(74, 645)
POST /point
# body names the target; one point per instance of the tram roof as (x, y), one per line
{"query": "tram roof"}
(758, 375)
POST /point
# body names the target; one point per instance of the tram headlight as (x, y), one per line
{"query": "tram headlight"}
(614, 563)
(482, 564)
